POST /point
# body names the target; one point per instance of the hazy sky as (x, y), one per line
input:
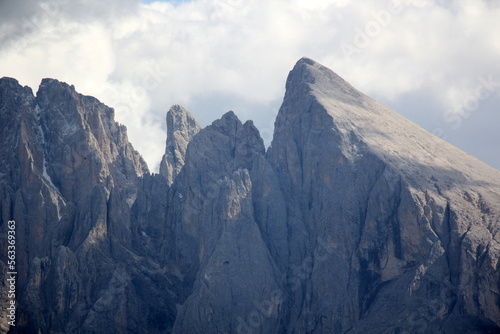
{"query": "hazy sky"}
(435, 62)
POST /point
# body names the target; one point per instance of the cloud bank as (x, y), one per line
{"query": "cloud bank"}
(435, 62)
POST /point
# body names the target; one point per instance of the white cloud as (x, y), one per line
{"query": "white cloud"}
(215, 55)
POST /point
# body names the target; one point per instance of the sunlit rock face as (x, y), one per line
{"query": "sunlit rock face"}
(413, 221)
(354, 220)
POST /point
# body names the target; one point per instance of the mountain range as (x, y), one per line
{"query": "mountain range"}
(354, 220)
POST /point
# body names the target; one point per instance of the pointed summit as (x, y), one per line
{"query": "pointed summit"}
(308, 74)
(357, 120)
(181, 128)
(355, 220)
(228, 124)
(402, 207)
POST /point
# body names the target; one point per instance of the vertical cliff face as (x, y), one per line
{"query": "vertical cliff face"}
(69, 180)
(27, 193)
(355, 220)
(216, 239)
(84, 140)
(181, 128)
(400, 208)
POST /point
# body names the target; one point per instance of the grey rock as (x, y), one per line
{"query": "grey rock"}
(27, 193)
(355, 220)
(181, 128)
(236, 289)
(399, 207)
(83, 139)
(226, 266)
(70, 180)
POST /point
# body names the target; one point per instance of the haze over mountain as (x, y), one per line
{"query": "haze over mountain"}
(355, 220)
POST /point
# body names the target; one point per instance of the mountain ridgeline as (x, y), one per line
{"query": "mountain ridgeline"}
(354, 220)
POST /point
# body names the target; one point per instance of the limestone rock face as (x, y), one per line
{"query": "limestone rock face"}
(181, 128)
(354, 220)
(26, 191)
(70, 179)
(217, 241)
(83, 139)
(406, 214)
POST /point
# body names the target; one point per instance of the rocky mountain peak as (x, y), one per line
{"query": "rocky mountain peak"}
(180, 119)
(332, 146)
(81, 136)
(355, 220)
(181, 128)
(50, 83)
(12, 83)
(11, 92)
(309, 76)
(227, 124)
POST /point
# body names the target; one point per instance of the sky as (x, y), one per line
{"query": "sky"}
(434, 62)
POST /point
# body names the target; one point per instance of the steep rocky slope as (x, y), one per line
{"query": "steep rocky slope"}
(355, 220)
(181, 128)
(69, 178)
(414, 221)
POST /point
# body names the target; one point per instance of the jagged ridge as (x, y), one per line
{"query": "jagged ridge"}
(354, 220)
